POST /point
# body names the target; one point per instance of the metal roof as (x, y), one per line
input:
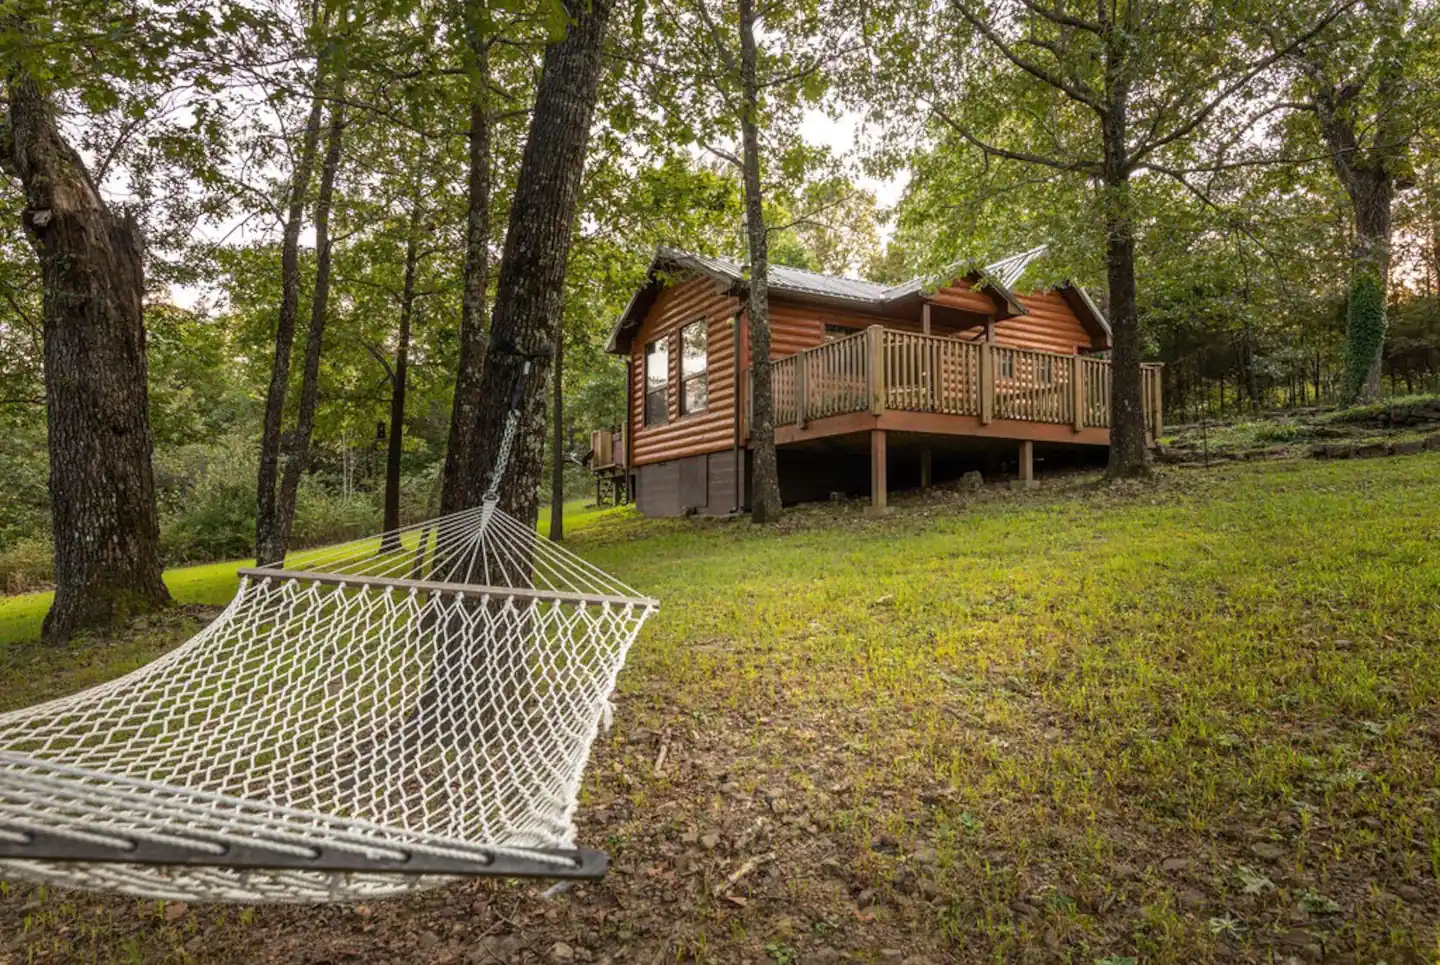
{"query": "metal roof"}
(998, 277)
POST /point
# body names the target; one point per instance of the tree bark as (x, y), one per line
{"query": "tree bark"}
(398, 380)
(102, 487)
(269, 545)
(297, 454)
(1368, 175)
(1129, 453)
(765, 477)
(1371, 195)
(461, 478)
(557, 447)
(530, 293)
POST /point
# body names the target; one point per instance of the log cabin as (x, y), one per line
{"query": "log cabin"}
(873, 384)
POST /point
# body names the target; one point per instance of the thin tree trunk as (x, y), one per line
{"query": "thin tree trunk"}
(462, 480)
(765, 477)
(529, 298)
(269, 544)
(102, 486)
(557, 449)
(297, 456)
(1129, 453)
(398, 380)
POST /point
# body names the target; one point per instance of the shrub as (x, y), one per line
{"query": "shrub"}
(207, 496)
(28, 564)
(322, 516)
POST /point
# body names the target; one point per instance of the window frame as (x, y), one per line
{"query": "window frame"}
(658, 346)
(686, 379)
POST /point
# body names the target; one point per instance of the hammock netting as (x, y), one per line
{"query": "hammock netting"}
(392, 712)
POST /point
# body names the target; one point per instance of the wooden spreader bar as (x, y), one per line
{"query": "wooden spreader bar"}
(430, 586)
(46, 846)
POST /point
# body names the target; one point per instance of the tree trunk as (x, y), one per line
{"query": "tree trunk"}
(1371, 193)
(1129, 453)
(462, 479)
(765, 477)
(102, 486)
(557, 449)
(398, 381)
(529, 297)
(269, 544)
(297, 455)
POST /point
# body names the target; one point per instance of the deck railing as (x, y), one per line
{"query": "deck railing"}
(879, 368)
(607, 449)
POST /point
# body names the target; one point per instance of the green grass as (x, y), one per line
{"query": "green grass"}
(213, 584)
(1193, 720)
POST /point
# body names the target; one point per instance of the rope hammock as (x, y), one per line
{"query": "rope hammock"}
(361, 721)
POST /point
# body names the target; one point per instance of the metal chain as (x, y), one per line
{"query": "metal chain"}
(502, 458)
(507, 440)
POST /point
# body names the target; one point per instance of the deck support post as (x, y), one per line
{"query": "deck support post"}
(925, 468)
(1027, 466)
(878, 481)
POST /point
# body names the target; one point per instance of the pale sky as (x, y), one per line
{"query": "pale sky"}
(838, 134)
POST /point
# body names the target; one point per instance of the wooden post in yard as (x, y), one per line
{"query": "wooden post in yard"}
(1027, 465)
(1159, 403)
(987, 383)
(878, 481)
(925, 468)
(1077, 382)
(875, 366)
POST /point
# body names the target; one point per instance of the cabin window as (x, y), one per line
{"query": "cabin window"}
(832, 332)
(694, 367)
(657, 381)
(1007, 366)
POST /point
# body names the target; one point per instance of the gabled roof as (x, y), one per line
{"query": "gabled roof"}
(997, 280)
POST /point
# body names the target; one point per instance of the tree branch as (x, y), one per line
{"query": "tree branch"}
(1201, 115)
(1079, 91)
(1089, 167)
(1061, 17)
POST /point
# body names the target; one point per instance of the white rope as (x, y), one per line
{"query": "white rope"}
(433, 691)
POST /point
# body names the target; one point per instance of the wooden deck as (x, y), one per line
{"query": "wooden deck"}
(884, 379)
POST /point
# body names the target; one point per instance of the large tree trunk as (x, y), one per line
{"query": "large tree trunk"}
(765, 477)
(557, 444)
(530, 292)
(297, 454)
(1371, 193)
(102, 486)
(398, 379)
(462, 480)
(269, 543)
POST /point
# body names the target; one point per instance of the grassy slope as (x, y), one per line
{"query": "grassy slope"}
(1184, 722)
(211, 584)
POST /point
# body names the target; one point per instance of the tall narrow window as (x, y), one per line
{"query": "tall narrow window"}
(694, 367)
(657, 380)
